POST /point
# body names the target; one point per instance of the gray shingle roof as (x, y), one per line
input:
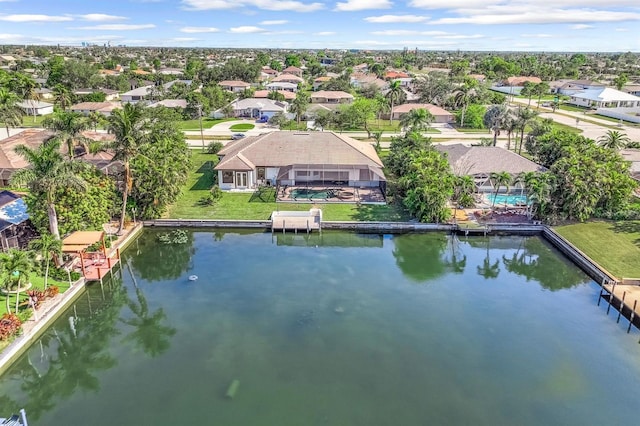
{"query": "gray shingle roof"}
(278, 149)
(474, 160)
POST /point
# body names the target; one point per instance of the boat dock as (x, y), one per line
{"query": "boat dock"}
(624, 297)
(296, 221)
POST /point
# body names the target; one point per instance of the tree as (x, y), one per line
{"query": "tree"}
(96, 119)
(474, 117)
(17, 265)
(299, 105)
(127, 124)
(462, 97)
(62, 96)
(394, 95)
(417, 120)
(68, 127)
(540, 90)
(528, 90)
(620, 81)
(614, 140)
(48, 172)
(499, 180)
(10, 112)
(275, 95)
(523, 117)
(494, 119)
(48, 246)
(434, 88)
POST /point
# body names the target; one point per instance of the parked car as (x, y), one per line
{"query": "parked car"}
(237, 136)
(262, 119)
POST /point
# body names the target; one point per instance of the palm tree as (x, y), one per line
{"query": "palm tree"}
(614, 140)
(510, 125)
(68, 127)
(48, 246)
(394, 95)
(10, 113)
(494, 119)
(499, 180)
(96, 119)
(25, 87)
(417, 120)
(48, 172)
(523, 117)
(18, 265)
(462, 98)
(62, 96)
(127, 124)
(300, 105)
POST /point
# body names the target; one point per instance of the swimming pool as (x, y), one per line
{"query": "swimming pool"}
(312, 194)
(512, 200)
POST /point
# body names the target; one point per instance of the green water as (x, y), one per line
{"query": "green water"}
(337, 329)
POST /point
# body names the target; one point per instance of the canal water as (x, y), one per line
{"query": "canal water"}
(337, 329)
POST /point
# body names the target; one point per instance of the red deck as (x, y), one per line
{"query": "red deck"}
(95, 265)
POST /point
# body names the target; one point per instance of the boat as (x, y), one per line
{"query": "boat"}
(15, 419)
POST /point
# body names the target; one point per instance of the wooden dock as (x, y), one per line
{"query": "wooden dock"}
(297, 221)
(625, 298)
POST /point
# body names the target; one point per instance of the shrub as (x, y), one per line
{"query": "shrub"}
(214, 147)
(9, 325)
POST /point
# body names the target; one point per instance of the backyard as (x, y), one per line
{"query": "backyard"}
(250, 206)
(613, 245)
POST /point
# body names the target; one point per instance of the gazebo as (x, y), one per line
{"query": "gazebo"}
(94, 264)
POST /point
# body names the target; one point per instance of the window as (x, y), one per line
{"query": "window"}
(261, 173)
(227, 177)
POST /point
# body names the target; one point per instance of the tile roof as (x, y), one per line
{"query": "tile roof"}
(265, 93)
(434, 110)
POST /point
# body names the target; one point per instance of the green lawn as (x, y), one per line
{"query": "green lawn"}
(206, 123)
(28, 120)
(242, 127)
(614, 245)
(38, 283)
(250, 207)
(468, 130)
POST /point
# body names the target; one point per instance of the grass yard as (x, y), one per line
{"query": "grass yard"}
(206, 123)
(242, 127)
(250, 207)
(613, 245)
(28, 120)
(37, 283)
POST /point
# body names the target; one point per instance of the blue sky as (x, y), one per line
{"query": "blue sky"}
(530, 25)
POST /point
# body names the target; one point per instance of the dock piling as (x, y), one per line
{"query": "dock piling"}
(624, 294)
(632, 316)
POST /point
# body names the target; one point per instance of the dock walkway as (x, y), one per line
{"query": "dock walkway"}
(297, 221)
(625, 298)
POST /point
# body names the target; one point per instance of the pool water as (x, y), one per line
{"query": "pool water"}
(333, 329)
(313, 194)
(510, 200)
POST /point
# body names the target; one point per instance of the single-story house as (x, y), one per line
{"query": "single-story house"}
(288, 96)
(331, 97)
(362, 80)
(633, 157)
(293, 71)
(10, 161)
(604, 97)
(287, 78)
(45, 93)
(31, 107)
(136, 95)
(293, 158)
(283, 85)
(440, 115)
(514, 85)
(170, 103)
(104, 108)
(480, 161)
(235, 86)
(15, 231)
(256, 108)
(320, 81)
(109, 93)
(269, 71)
(632, 89)
(570, 87)
(395, 75)
(171, 71)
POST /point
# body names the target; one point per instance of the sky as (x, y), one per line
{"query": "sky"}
(471, 25)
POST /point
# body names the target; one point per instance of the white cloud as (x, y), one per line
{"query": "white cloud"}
(450, 4)
(275, 22)
(35, 18)
(409, 32)
(542, 35)
(277, 5)
(199, 30)
(324, 33)
(622, 30)
(246, 30)
(117, 27)
(499, 15)
(352, 5)
(389, 19)
(101, 17)
(581, 26)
